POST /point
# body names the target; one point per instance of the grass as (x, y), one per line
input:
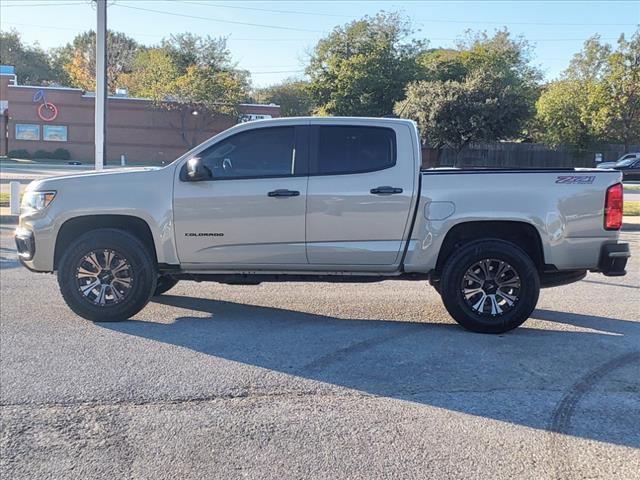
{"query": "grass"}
(4, 199)
(631, 187)
(632, 208)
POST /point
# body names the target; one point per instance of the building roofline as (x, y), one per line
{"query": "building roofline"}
(119, 97)
(38, 87)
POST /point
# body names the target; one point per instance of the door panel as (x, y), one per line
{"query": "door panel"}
(236, 222)
(253, 211)
(347, 224)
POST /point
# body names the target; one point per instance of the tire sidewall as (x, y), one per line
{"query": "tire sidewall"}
(460, 262)
(127, 246)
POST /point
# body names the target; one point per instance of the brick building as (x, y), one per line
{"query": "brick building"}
(46, 118)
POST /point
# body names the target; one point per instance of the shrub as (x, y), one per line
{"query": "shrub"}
(41, 154)
(18, 153)
(61, 154)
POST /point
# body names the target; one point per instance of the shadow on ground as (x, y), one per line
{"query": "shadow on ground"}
(533, 377)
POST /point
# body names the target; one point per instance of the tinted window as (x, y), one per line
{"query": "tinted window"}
(354, 149)
(265, 152)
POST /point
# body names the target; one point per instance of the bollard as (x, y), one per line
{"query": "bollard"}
(123, 160)
(14, 199)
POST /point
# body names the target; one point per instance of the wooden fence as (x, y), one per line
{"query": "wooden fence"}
(518, 155)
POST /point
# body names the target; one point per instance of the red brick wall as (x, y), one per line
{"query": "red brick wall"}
(134, 128)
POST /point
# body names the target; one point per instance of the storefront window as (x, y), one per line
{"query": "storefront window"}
(54, 133)
(26, 131)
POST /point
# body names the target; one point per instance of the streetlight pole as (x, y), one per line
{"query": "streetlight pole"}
(101, 83)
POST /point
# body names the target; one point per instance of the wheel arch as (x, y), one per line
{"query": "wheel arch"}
(522, 234)
(76, 226)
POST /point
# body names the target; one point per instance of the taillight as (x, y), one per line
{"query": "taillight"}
(613, 208)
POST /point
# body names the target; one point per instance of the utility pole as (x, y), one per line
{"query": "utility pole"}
(101, 83)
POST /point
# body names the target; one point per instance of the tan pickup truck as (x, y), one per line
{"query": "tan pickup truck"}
(322, 199)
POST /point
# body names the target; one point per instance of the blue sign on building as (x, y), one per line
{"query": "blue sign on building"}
(7, 70)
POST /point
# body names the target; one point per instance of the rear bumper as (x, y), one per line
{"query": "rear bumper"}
(613, 259)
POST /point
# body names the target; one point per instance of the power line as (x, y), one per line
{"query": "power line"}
(278, 71)
(255, 39)
(259, 25)
(315, 14)
(49, 4)
(492, 22)
(256, 9)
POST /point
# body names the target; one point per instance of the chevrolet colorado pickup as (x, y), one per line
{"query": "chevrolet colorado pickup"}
(322, 199)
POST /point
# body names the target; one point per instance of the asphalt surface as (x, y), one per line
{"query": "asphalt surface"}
(318, 381)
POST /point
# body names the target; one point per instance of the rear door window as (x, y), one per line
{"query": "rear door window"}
(352, 149)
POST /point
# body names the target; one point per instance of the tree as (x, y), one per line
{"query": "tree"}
(153, 74)
(362, 68)
(617, 96)
(199, 91)
(200, 95)
(187, 49)
(597, 99)
(32, 64)
(482, 107)
(292, 96)
(563, 112)
(484, 91)
(79, 59)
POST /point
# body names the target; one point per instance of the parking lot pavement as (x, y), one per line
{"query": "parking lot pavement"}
(318, 381)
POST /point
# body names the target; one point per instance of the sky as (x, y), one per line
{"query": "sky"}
(273, 39)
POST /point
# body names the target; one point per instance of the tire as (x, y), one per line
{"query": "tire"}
(164, 284)
(123, 289)
(508, 299)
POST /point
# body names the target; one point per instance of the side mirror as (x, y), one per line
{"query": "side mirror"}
(197, 171)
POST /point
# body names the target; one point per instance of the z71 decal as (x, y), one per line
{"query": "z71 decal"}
(579, 179)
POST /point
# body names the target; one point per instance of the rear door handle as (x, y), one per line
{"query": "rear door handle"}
(386, 190)
(284, 193)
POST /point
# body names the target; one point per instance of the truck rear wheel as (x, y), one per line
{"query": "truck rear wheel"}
(107, 275)
(490, 286)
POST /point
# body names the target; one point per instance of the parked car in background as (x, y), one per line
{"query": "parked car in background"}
(630, 169)
(622, 160)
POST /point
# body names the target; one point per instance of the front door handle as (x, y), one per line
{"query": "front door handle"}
(386, 190)
(284, 193)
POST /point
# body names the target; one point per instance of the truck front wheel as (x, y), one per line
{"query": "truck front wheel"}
(490, 286)
(107, 275)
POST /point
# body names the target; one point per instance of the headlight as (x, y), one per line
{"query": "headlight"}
(36, 201)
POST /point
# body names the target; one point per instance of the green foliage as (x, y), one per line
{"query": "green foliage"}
(18, 153)
(362, 68)
(597, 100)
(61, 154)
(192, 76)
(33, 65)
(78, 59)
(57, 154)
(292, 95)
(153, 74)
(41, 154)
(484, 91)
(564, 113)
(186, 49)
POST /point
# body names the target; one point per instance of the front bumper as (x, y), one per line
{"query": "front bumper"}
(25, 244)
(613, 259)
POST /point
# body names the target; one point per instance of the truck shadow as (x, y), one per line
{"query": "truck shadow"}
(531, 376)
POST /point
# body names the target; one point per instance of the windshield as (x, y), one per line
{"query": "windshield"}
(625, 163)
